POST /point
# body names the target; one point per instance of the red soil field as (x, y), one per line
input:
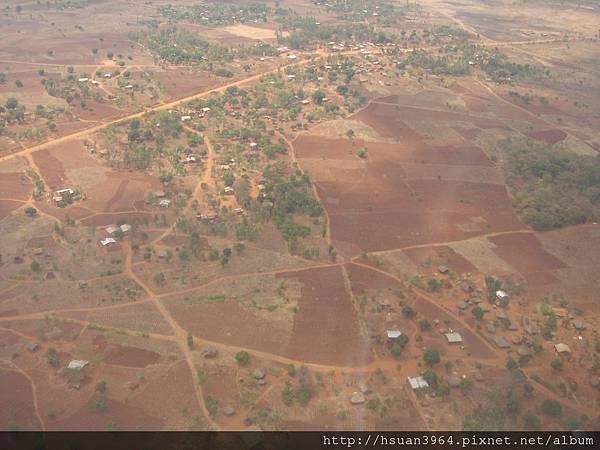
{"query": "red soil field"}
(167, 396)
(401, 220)
(130, 356)
(548, 136)
(87, 419)
(15, 186)
(326, 329)
(525, 253)
(16, 402)
(364, 279)
(230, 323)
(384, 119)
(52, 170)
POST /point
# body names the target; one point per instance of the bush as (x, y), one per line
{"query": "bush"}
(242, 358)
(551, 408)
(511, 364)
(532, 421)
(101, 387)
(287, 396)
(52, 358)
(291, 370)
(556, 364)
(424, 325)
(477, 312)
(431, 356)
(408, 312)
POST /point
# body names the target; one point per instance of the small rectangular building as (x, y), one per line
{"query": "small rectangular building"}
(454, 338)
(107, 241)
(393, 334)
(418, 382)
(77, 364)
(500, 341)
(562, 349)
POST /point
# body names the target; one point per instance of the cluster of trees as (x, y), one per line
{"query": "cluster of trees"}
(305, 33)
(11, 112)
(291, 196)
(551, 188)
(360, 10)
(216, 13)
(498, 67)
(67, 88)
(442, 65)
(182, 47)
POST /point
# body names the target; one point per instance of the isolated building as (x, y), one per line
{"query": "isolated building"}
(418, 382)
(501, 295)
(393, 334)
(500, 342)
(77, 364)
(454, 338)
(107, 241)
(562, 349)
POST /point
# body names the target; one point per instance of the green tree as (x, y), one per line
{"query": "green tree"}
(287, 396)
(431, 356)
(242, 358)
(551, 408)
(101, 387)
(511, 364)
(477, 312)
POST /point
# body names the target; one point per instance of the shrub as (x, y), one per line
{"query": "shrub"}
(101, 387)
(551, 408)
(287, 396)
(511, 364)
(431, 356)
(242, 358)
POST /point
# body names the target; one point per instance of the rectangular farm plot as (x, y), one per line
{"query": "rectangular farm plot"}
(325, 329)
(525, 253)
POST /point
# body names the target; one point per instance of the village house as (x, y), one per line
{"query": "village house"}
(501, 296)
(500, 342)
(393, 334)
(418, 382)
(164, 203)
(562, 349)
(110, 230)
(106, 242)
(32, 346)
(77, 364)
(454, 338)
